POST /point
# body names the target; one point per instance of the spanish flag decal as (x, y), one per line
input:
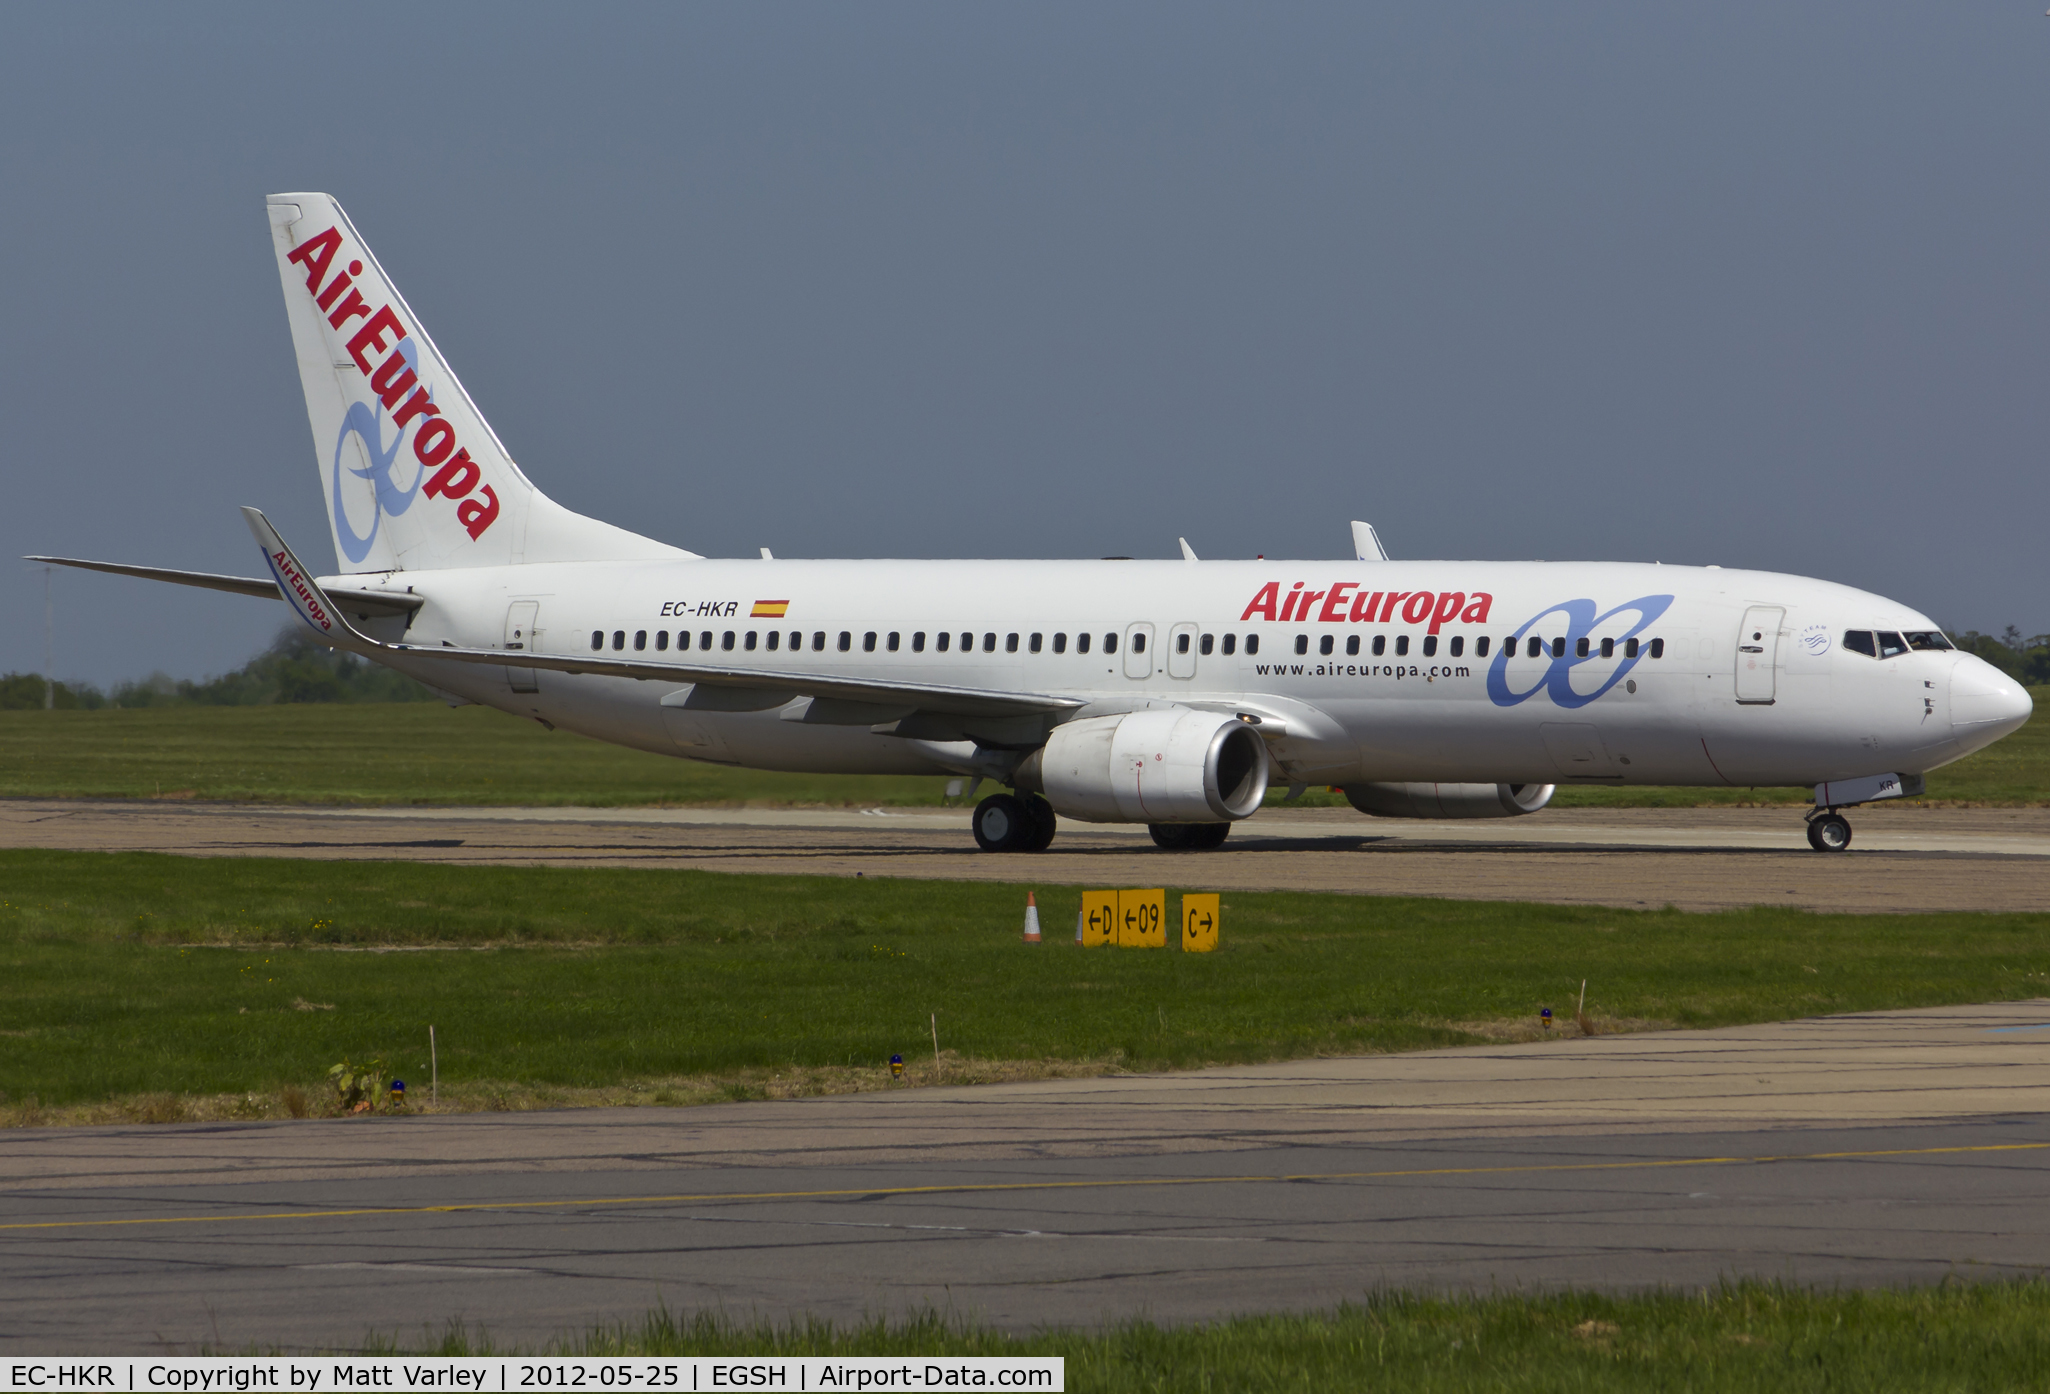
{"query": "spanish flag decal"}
(769, 610)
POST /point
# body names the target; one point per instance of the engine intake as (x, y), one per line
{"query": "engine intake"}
(1448, 800)
(1170, 765)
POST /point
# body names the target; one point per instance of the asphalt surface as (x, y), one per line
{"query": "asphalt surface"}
(1879, 1148)
(1902, 859)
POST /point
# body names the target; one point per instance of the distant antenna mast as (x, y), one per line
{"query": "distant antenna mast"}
(49, 682)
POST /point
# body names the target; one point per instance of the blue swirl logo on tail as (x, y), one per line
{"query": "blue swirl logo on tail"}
(1581, 622)
(391, 501)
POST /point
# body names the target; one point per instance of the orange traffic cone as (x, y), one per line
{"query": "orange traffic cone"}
(1031, 920)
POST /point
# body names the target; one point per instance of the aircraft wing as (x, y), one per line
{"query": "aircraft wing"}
(321, 611)
(359, 602)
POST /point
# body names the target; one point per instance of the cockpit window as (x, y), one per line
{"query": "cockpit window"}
(1860, 641)
(1891, 645)
(1928, 639)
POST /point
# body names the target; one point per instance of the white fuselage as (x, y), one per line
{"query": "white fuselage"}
(1700, 703)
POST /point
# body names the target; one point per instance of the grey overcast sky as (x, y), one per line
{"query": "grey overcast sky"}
(1756, 284)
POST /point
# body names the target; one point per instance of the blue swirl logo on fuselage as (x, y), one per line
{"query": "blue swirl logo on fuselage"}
(390, 500)
(1581, 623)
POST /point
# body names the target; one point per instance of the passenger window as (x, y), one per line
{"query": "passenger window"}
(1181, 643)
(967, 642)
(1658, 648)
(1380, 644)
(1302, 643)
(1324, 645)
(1580, 647)
(1608, 648)
(989, 643)
(1060, 643)
(868, 642)
(1010, 643)
(1480, 647)
(1891, 645)
(597, 639)
(944, 639)
(1352, 645)
(1629, 648)
(918, 642)
(1459, 644)
(1430, 646)
(1110, 643)
(1081, 643)
(618, 639)
(796, 640)
(662, 639)
(893, 641)
(1535, 648)
(1252, 644)
(818, 641)
(775, 639)
(750, 641)
(1209, 640)
(640, 640)
(1032, 644)
(1401, 645)
(1231, 643)
(705, 639)
(726, 640)
(1929, 639)
(1559, 647)
(1138, 643)
(846, 641)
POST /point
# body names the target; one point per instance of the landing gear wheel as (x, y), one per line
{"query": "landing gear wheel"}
(1188, 837)
(1003, 825)
(1829, 833)
(1042, 823)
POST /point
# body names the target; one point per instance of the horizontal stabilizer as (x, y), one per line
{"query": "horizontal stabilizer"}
(359, 602)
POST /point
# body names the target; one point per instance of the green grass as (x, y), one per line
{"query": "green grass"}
(431, 754)
(123, 974)
(403, 753)
(1734, 1339)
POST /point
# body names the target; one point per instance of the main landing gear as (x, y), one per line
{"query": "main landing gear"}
(1828, 831)
(1188, 837)
(1007, 823)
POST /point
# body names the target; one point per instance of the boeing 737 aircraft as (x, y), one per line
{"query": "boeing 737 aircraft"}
(1165, 693)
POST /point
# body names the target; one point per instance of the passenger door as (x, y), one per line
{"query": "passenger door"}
(1758, 648)
(1181, 651)
(519, 634)
(1139, 651)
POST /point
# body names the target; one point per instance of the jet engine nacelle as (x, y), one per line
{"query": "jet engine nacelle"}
(1448, 800)
(1165, 765)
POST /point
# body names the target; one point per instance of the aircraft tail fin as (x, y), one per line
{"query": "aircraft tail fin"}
(413, 475)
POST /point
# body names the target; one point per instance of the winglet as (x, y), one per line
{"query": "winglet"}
(308, 601)
(1366, 543)
(1188, 552)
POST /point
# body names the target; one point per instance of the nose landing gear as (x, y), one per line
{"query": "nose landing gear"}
(1828, 831)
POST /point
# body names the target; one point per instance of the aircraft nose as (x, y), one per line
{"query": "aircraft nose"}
(1985, 703)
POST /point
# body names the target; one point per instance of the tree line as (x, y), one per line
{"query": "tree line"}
(2025, 660)
(295, 668)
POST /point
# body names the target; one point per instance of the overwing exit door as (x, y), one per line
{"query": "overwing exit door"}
(1758, 651)
(1139, 651)
(519, 634)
